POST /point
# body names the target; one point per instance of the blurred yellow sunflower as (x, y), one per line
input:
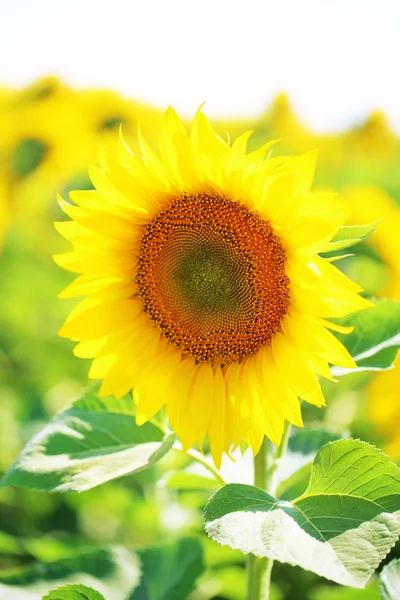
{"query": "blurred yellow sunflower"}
(367, 204)
(104, 111)
(373, 139)
(282, 123)
(4, 209)
(38, 131)
(204, 290)
(384, 407)
(35, 130)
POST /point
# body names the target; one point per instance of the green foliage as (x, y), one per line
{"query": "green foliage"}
(308, 441)
(112, 122)
(97, 440)
(375, 340)
(114, 572)
(93, 441)
(74, 592)
(292, 486)
(169, 571)
(324, 592)
(390, 581)
(297, 461)
(232, 582)
(28, 155)
(189, 480)
(350, 235)
(10, 545)
(341, 527)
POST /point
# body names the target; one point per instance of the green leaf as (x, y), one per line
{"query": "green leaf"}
(74, 592)
(44, 548)
(10, 545)
(27, 156)
(390, 581)
(325, 592)
(341, 527)
(375, 339)
(294, 470)
(308, 441)
(48, 548)
(114, 573)
(184, 480)
(349, 235)
(92, 442)
(169, 572)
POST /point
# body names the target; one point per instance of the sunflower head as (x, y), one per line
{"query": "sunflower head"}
(211, 275)
(203, 285)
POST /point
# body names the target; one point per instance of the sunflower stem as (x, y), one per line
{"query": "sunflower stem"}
(265, 466)
(275, 460)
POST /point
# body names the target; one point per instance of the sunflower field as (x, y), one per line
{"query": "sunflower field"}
(225, 424)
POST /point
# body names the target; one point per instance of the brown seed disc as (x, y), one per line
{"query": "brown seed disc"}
(211, 275)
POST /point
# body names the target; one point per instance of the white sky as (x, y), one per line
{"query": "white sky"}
(337, 59)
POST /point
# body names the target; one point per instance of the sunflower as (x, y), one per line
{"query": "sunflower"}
(384, 408)
(104, 111)
(4, 209)
(367, 204)
(282, 123)
(204, 290)
(36, 131)
(277, 122)
(372, 140)
(39, 126)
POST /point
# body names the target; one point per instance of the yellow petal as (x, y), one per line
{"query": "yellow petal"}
(216, 431)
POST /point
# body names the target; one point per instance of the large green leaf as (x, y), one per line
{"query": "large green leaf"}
(375, 340)
(390, 581)
(349, 235)
(93, 441)
(169, 571)
(74, 592)
(114, 573)
(341, 527)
